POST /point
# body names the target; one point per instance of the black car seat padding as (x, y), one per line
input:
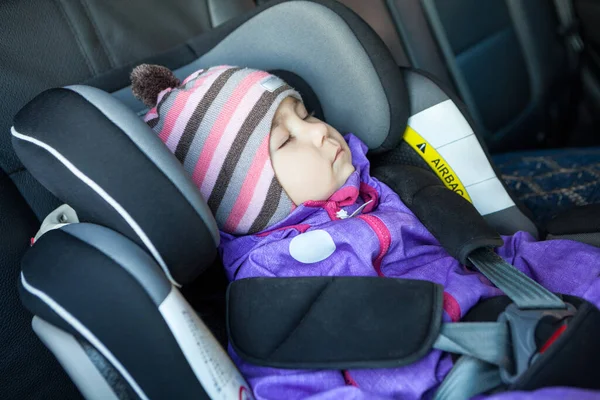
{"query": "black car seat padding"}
(103, 289)
(581, 224)
(394, 322)
(120, 286)
(109, 165)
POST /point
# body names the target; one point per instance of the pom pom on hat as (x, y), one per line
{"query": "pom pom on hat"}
(147, 81)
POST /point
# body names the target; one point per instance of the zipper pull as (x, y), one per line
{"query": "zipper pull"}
(359, 209)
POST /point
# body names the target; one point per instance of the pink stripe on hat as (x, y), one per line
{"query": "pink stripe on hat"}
(192, 76)
(185, 104)
(173, 113)
(162, 94)
(151, 115)
(223, 133)
(258, 199)
(250, 185)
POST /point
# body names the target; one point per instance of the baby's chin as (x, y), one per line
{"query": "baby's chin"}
(344, 173)
(347, 168)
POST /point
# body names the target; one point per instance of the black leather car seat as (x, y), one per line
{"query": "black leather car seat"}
(53, 43)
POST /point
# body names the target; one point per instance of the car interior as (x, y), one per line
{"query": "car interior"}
(506, 91)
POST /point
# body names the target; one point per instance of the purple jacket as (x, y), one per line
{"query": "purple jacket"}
(384, 238)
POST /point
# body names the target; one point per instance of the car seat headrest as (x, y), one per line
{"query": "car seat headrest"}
(333, 51)
(353, 74)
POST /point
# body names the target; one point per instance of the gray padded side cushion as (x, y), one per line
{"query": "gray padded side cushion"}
(74, 360)
(125, 253)
(152, 147)
(423, 92)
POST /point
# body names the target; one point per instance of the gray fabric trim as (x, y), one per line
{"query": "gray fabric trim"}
(110, 374)
(264, 41)
(423, 92)
(84, 332)
(125, 96)
(131, 257)
(74, 361)
(511, 220)
(592, 238)
(222, 11)
(152, 147)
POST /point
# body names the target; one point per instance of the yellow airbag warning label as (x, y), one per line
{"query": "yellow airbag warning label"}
(435, 162)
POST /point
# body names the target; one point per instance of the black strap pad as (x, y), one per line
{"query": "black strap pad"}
(333, 322)
(451, 219)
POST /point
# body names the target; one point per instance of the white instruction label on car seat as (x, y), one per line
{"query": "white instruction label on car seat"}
(211, 364)
(446, 130)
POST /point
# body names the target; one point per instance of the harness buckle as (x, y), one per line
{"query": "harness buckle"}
(522, 324)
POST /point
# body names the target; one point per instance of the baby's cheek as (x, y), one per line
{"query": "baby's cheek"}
(319, 183)
(305, 176)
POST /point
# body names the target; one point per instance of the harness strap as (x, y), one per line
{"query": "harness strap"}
(468, 378)
(487, 341)
(522, 290)
(490, 350)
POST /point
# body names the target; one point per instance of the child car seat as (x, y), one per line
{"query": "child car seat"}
(104, 291)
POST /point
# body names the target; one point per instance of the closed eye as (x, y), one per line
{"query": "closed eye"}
(309, 115)
(286, 141)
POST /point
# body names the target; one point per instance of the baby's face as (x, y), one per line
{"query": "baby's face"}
(310, 158)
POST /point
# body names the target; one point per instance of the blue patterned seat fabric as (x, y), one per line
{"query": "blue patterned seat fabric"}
(551, 181)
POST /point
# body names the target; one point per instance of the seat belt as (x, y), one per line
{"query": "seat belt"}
(497, 352)
(569, 31)
(521, 289)
(569, 28)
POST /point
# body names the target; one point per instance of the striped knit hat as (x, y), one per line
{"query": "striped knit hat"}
(217, 122)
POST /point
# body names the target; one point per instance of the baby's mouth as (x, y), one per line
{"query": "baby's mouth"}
(337, 154)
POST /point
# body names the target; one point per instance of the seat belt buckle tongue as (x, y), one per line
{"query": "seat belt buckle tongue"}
(522, 324)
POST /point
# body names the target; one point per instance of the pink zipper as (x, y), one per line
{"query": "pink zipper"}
(348, 378)
(384, 236)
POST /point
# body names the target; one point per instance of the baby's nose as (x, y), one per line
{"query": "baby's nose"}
(319, 133)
